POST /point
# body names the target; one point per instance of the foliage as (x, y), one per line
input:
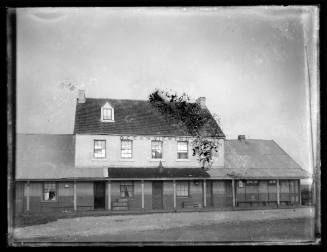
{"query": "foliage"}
(195, 118)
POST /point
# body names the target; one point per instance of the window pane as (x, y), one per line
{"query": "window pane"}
(49, 191)
(156, 149)
(99, 148)
(182, 189)
(107, 113)
(126, 149)
(182, 150)
(126, 189)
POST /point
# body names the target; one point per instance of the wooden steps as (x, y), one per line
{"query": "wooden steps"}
(120, 204)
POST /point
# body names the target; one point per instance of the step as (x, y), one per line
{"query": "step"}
(118, 204)
(123, 199)
(191, 205)
(119, 208)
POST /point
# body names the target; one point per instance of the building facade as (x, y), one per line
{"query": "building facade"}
(126, 156)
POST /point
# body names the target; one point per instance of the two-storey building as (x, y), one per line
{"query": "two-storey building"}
(125, 155)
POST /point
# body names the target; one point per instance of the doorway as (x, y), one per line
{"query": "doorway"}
(99, 195)
(157, 191)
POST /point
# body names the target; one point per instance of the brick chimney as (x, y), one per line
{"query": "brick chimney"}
(201, 101)
(81, 96)
(241, 137)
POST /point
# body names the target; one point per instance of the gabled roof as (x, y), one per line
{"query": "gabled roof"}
(251, 158)
(132, 117)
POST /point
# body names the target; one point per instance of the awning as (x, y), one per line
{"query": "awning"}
(147, 173)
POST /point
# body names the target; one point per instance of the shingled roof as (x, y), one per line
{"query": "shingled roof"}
(132, 117)
(252, 158)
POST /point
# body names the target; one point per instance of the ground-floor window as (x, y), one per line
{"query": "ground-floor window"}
(127, 189)
(49, 191)
(182, 189)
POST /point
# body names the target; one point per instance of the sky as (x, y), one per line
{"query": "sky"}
(248, 62)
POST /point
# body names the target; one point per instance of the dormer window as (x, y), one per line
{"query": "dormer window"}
(107, 113)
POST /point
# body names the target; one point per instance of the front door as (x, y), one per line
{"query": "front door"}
(99, 195)
(209, 193)
(157, 190)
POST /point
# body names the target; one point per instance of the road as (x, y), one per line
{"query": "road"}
(250, 226)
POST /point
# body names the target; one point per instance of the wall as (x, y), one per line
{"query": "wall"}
(64, 202)
(141, 153)
(222, 194)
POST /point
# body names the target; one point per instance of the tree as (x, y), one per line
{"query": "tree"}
(198, 121)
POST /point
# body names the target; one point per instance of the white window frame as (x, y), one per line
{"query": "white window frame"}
(154, 158)
(180, 189)
(121, 149)
(104, 107)
(46, 198)
(94, 148)
(178, 151)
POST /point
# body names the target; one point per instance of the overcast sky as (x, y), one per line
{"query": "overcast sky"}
(248, 62)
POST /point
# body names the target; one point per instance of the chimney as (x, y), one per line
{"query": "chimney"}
(241, 137)
(201, 101)
(81, 96)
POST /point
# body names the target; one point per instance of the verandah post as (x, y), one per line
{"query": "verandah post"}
(109, 194)
(75, 196)
(278, 200)
(174, 186)
(204, 193)
(233, 191)
(142, 191)
(27, 196)
(299, 185)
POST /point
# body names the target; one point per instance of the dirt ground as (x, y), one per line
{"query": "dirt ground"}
(251, 225)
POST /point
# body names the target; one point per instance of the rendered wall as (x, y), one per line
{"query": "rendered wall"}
(141, 153)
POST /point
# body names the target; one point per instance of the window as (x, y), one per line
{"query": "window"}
(107, 114)
(182, 189)
(126, 149)
(156, 149)
(99, 148)
(252, 182)
(50, 191)
(127, 189)
(182, 150)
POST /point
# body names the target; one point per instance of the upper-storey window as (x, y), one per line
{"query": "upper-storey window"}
(99, 149)
(182, 150)
(126, 149)
(156, 149)
(107, 113)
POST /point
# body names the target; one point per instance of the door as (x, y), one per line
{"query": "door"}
(209, 193)
(19, 197)
(157, 191)
(99, 195)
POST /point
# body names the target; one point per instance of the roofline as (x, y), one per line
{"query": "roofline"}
(152, 179)
(47, 134)
(112, 134)
(255, 139)
(287, 154)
